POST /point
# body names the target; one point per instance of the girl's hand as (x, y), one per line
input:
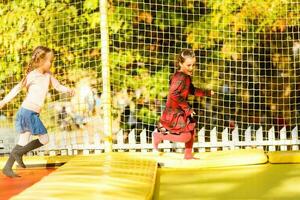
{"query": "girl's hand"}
(212, 93)
(193, 114)
(2, 104)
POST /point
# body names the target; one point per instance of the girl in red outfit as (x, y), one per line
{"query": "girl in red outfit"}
(177, 123)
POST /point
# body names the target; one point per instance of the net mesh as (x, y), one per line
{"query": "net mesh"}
(247, 53)
(72, 30)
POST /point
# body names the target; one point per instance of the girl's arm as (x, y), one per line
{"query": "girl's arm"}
(12, 94)
(198, 92)
(57, 86)
(176, 88)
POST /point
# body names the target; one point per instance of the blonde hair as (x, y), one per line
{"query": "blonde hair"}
(38, 54)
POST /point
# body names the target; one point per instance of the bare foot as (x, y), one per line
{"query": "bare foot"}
(191, 158)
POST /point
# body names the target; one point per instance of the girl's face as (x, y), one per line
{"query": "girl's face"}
(187, 66)
(45, 64)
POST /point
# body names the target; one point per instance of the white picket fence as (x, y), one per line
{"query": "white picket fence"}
(66, 143)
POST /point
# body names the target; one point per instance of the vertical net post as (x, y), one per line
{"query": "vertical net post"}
(105, 76)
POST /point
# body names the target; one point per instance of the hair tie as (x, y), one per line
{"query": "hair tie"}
(192, 54)
(182, 54)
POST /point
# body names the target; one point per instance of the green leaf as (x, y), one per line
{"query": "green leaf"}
(90, 5)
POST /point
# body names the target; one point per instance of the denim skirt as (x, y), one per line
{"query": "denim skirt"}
(29, 121)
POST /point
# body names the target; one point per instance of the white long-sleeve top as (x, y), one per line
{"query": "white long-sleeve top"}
(37, 85)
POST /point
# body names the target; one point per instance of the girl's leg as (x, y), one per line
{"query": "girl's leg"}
(23, 140)
(158, 137)
(34, 144)
(44, 139)
(186, 137)
(7, 170)
(188, 151)
(183, 137)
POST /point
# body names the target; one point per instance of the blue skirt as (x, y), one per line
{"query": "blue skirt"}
(29, 121)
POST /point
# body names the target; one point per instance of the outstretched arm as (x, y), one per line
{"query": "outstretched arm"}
(57, 86)
(198, 92)
(12, 94)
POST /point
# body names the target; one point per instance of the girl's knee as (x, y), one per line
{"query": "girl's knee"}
(24, 138)
(187, 136)
(44, 139)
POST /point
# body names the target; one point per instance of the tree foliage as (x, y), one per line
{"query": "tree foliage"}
(245, 45)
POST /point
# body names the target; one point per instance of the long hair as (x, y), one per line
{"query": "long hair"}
(38, 54)
(184, 54)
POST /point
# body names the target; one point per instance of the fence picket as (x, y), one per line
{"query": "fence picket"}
(248, 137)
(167, 145)
(86, 143)
(143, 136)
(271, 138)
(51, 145)
(132, 141)
(225, 140)
(259, 138)
(295, 139)
(67, 145)
(213, 139)
(97, 143)
(120, 141)
(282, 136)
(201, 140)
(235, 138)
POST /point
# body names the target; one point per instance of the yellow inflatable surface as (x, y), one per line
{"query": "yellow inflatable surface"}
(284, 157)
(213, 159)
(232, 174)
(40, 160)
(255, 182)
(105, 177)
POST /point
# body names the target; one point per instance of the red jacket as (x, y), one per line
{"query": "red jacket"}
(175, 117)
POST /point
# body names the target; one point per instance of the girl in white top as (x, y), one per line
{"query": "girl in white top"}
(37, 81)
